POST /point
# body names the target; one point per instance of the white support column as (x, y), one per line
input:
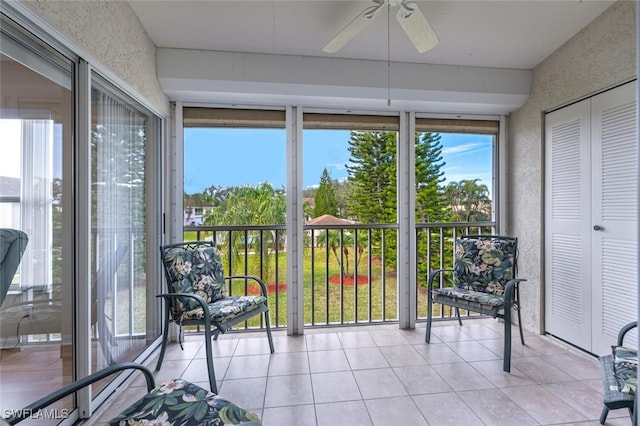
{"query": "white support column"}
(174, 219)
(295, 222)
(173, 210)
(83, 241)
(406, 221)
(500, 189)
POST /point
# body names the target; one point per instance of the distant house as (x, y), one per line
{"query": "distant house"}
(309, 204)
(195, 208)
(325, 220)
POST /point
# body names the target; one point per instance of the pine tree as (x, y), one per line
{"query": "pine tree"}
(430, 204)
(325, 197)
(373, 175)
(372, 172)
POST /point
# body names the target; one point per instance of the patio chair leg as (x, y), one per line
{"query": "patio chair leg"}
(507, 339)
(216, 333)
(164, 341)
(603, 415)
(458, 315)
(520, 326)
(517, 304)
(427, 337)
(212, 374)
(268, 327)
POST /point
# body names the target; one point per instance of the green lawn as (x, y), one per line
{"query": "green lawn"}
(328, 300)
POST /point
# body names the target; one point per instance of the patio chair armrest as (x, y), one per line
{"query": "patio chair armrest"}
(432, 277)
(198, 298)
(511, 289)
(624, 330)
(263, 287)
(33, 408)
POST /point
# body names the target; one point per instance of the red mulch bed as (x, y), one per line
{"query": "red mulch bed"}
(335, 279)
(271, 288)
(348, 280)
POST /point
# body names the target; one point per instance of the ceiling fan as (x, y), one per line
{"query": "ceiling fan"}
(409, 16)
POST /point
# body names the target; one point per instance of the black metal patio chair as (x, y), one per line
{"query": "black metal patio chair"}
(620, 376)
(484, 281)
(198, 296)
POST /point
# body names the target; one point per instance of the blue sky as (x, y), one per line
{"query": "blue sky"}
(233, 157)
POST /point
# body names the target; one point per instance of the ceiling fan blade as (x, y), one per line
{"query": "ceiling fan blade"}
(352, 28)
(417, 27)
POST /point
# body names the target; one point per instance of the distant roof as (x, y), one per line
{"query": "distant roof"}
(190, 201)
(9, 186)
(327, 219)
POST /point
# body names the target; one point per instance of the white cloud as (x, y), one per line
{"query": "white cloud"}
(462, 149)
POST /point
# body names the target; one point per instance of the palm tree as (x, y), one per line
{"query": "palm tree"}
(468, 200)
(252, 205)
(346, 239)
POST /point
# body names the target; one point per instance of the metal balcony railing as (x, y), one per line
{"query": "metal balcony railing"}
(349, 270)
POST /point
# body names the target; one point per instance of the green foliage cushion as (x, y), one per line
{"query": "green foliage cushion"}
(479, 297)
(179, 402)
(198, 271)
(230, 307)
(625, 368)
(484, 264)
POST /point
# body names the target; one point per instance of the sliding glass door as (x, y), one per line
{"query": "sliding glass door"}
(79, 223)
(36, 214)
(120, 176)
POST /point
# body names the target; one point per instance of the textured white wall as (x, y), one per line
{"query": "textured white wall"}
(112, 33)
(601, 55)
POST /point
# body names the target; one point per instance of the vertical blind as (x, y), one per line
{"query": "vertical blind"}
(118, 219)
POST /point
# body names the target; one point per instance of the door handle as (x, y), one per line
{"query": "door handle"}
(597, 228)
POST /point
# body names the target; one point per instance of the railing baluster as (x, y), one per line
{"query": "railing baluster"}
(369, 276)
(341, 276)
(326, 275)
(313, 276)
(277, 275)
(355, 276)
(384, 274)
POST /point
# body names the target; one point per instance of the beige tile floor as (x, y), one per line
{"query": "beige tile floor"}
(381, 375)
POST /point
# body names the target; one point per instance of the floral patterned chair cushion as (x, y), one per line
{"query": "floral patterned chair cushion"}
(229, 307)
(179, 402)
(483, 265)
(199, 271)
(470, 295)
(482, 268)
(625, 368)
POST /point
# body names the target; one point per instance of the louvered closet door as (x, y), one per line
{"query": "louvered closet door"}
(614, 210)
(591, 173)
(567, 224)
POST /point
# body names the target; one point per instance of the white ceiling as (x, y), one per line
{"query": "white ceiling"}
(503, 34)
